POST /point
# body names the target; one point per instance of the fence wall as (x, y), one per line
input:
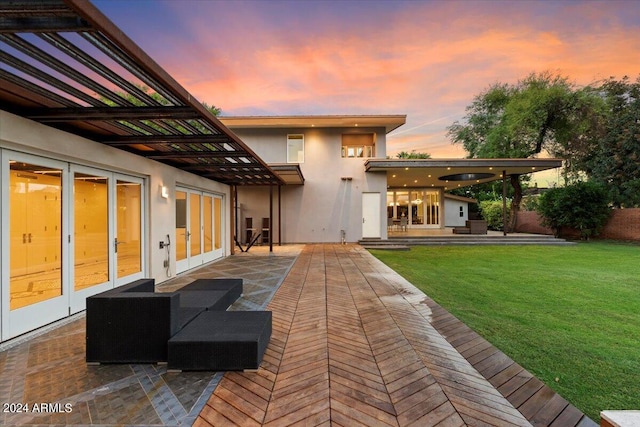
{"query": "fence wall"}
(623, 224)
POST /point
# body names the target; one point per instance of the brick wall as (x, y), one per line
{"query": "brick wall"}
(624, 224)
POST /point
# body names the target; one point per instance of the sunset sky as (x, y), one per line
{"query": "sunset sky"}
(425, 59)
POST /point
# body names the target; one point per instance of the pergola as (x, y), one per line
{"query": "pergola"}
(65, 64)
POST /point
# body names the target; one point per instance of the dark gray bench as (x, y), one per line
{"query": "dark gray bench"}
(221, 341)
(132, 323)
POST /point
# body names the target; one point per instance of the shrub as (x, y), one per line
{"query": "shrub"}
(583, 206)
(491, 211)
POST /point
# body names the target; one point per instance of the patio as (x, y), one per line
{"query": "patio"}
(353, 344)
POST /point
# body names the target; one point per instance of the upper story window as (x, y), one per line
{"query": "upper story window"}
(295, 148)
(359, 145)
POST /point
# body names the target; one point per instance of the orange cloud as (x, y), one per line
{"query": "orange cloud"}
(425, 59)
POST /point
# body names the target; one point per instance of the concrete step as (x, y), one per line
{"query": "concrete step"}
(465, 240)
(387, 247)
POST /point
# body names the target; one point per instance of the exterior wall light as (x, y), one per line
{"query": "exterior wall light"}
(164, 192)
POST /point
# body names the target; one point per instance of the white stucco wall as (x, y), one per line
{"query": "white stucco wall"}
(26, 136)
(452, 216)
(318, 210)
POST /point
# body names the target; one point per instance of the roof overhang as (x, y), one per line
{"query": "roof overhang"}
(389, 122)
(454, 173)
(65, 64)
(289, 173)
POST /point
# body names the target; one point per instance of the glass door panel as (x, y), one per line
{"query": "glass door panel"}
(207, 223)
(91, 230)
(35, 223)
(34, 270)
(194, 229)
(402, 204)
(128, 228)
(181, 225)
(217, 218)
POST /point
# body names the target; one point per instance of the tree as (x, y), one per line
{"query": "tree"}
(615, 161)
(543, 112)
(413, 155)
(582, 205)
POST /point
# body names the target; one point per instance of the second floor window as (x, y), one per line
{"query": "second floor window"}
(295, 148)
(359, 145)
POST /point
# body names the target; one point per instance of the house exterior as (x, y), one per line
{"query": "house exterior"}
(98, 191)
(326, 203)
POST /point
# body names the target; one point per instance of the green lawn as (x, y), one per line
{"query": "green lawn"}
(568, 314)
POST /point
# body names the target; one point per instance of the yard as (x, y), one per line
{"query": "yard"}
(570, 314)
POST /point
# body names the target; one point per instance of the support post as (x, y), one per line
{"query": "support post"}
(270, 218)
(279, 214)
(504, 202)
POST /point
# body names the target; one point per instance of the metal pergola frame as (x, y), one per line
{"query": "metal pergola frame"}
(65, 64)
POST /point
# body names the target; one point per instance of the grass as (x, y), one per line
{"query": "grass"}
(569, 314)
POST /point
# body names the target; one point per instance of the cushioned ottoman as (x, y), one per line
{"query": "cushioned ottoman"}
(232, 286)
(208, 300)
(221, 341)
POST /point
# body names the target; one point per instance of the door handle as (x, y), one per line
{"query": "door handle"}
(24, 237)
(29, 237)
(188, 235)
(116, 243)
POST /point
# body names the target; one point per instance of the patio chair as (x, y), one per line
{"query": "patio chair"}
(404, 223)
(265, 230)
(389, 224)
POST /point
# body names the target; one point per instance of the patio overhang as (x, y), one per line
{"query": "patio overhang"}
(453, 173)
(289, 173)
(65, 64)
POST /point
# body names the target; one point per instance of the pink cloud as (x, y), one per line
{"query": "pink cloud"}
(425, 59)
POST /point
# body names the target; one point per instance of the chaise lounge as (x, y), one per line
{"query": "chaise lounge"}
(134, 324)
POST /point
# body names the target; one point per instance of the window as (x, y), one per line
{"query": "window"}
(358, 145)
(295, 148)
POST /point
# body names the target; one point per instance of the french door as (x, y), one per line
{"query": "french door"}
(69, 232)
(107, 221)
(198, 234)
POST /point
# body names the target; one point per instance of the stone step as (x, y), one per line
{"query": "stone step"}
(439, 241)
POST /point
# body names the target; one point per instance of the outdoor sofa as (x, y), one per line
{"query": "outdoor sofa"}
(472, 226)
(135, 324)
